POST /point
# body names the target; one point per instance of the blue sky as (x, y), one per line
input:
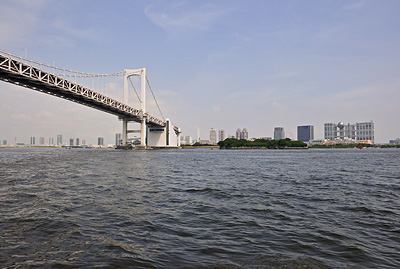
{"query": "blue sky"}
(212, 64)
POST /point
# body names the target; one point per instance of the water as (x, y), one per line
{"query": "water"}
(200, 208)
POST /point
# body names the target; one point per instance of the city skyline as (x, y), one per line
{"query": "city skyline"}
(211, 63)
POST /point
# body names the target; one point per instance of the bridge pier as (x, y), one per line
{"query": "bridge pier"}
(125, 132)
(143, 133)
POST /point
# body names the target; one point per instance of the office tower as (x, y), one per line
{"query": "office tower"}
(279, 133)
(365, 131)
(358, 131)
(213, 136)
(100, 141)
(83, 142)
(51, 140)
(221, 135)
(305, 133)
(71, 141)
(33, 140)
(59, 139)
(78, 142)
(118, 139)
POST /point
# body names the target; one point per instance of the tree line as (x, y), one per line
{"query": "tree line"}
(261, 143)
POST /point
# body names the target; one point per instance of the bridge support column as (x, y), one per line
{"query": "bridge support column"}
(124, 132)
(143, 133)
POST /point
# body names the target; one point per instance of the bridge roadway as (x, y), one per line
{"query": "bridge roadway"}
(25, 75)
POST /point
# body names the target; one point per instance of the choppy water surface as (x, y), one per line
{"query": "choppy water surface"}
(200, 208)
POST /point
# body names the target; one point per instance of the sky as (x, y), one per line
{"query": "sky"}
(211, 64)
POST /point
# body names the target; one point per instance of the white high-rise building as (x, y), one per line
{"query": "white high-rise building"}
(242, 134)
(238, 133)
(245, 134)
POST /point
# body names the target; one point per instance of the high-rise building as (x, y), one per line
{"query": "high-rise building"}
(41, 140)
(78, 142)
(238, 133)
(358, 131)
(4, 142)
(305, 133)
(83, 142)
(242, 134)
(71, 141)
(59, 139)
(245, 134)
(33, 142)
(279, 133)
(213, 136)
(118, 139)
(100, 141)
(221, 135)
(51, 140)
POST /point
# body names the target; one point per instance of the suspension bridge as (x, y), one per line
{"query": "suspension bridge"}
(79, 87)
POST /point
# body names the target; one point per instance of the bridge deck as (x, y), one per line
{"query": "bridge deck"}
(19, 73)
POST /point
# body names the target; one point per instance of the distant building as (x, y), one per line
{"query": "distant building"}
(186, 140)
(305, 133)
(33, 142)
(242, 134)
(51, 140)
(78, 142)
(363, 131)
(245, 134)
(41, 140)
(100, 141)
(279, 133)
(83, 142)
(59, 140)
(4, 142)
(393, 142)
(213, 136)
(71, 141)
(238, 133)
(118, 139)
(221, 135)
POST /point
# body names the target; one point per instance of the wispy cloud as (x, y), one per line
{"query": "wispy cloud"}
(355, 5)
(180, 17)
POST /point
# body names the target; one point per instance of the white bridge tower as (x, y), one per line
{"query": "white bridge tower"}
(150, 136)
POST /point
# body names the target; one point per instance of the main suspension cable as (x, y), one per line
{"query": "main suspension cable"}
(135, 89)
(82, 74)
(154, 98)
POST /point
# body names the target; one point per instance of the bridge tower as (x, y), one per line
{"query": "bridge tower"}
(143, 132)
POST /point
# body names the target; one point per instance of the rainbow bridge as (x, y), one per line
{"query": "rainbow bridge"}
(154, 132)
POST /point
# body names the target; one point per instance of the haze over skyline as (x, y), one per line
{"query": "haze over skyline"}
(211, 64)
